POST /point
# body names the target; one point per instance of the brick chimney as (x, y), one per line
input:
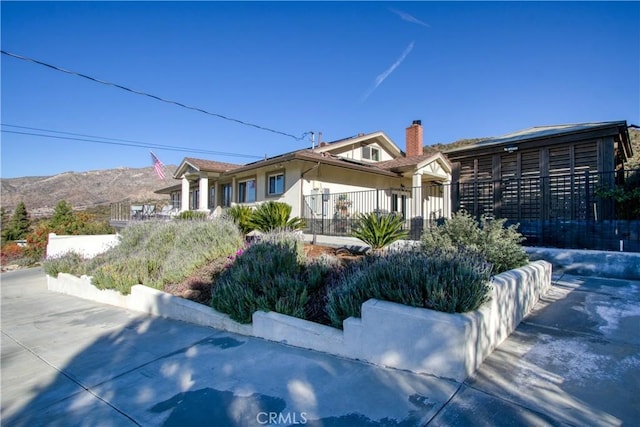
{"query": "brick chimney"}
(414, 139)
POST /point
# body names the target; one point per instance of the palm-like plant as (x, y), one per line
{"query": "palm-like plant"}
(275, 216)
(378, 230)
(241, 215)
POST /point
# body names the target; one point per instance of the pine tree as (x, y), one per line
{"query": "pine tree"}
(4, 223)
(19, 225)
(63, 217)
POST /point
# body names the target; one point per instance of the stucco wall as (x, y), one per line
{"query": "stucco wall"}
(87, 246)
(388, 334)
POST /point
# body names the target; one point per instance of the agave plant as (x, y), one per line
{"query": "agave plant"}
(241, 215)
(275, 216)
(379, 231)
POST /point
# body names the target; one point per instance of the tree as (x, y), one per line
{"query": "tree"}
(63, 218)
(4, 222)
(19, 224)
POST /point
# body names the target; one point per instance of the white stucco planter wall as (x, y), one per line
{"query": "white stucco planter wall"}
(388, 334)
(85, 245)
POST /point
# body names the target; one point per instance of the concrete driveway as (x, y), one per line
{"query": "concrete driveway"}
(67, 361)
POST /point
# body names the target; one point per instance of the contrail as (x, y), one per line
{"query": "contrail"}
(409, 18)
(382, 77)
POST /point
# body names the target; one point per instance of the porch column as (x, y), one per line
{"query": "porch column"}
(204, 193)
(184, 196)
(417, 195)
(446, 199)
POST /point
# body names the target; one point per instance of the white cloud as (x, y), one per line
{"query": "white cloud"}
(383, 76)
(409, 18)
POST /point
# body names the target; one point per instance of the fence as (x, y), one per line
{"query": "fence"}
(583, 210)
(123, 213)
(335, 214)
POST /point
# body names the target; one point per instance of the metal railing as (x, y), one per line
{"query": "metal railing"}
(581, 210)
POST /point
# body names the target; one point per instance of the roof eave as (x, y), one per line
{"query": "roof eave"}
(495, 142)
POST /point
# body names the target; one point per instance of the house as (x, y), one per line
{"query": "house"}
(307, 179)
(547, 179)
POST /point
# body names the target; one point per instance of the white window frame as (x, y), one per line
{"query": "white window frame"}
(212, 197)
(242, 195)
(371, 153)
(275, 177)
(226, 191)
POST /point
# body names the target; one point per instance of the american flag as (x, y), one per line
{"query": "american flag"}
(157, 165)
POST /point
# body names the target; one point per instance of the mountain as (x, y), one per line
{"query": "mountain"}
(84, 190)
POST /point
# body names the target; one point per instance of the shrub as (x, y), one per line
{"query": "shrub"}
(241, 215)
(70, 262)
(157, 253)
(270, 275)
(272, 216)
(444, 281)
(490, 238)
(378, 230)
(192, 215)
(10, 252)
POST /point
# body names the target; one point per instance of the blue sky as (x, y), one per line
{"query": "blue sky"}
(466, 69)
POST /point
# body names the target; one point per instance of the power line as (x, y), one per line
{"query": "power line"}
(158, 98)
(132, 143)
(143, 145)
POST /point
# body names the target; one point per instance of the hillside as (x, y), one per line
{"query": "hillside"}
(84, 190)
(634, 161)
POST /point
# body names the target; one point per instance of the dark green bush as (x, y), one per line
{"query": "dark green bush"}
(378, 230)
(241, 215)
(273, 216)
(499, 245)
(444, 281)
(271, 275)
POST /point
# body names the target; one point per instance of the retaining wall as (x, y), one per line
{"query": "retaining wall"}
(87, 246)
(388, 334)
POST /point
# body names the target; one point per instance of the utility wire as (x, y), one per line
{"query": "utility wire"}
(131, 142)
(142, 145)
(158, 98)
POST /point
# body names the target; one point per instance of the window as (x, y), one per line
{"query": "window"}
(276, 184)
(212, 197)
(194, 198)
(226, 195)
(371, 153)
(175, 200)
(247, 191)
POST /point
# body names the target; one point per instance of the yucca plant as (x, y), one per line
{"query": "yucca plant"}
(241, 215)
(379, 231)
(272, 216)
